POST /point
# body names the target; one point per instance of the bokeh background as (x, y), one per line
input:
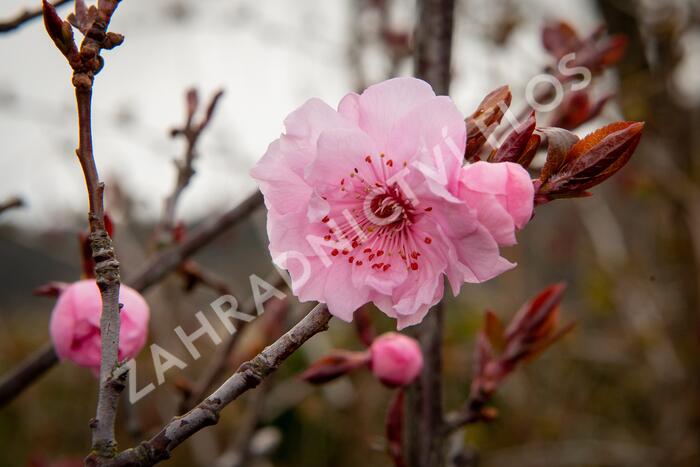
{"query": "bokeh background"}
(622, 390)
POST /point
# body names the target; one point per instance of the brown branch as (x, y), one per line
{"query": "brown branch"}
(248, 376)
(34, 366)
(163, 263)
(433, 43)
(86, 63)
(170, 258)
(473, 411)
(25, 16)
(191, 131)
(424, 439)
(424, 442)
(11, 203)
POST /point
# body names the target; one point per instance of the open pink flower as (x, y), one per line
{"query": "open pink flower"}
(75, 324)
(396, 359)
(372, 202)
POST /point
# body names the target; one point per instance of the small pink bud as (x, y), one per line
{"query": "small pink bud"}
(75, 324)
(396, 359)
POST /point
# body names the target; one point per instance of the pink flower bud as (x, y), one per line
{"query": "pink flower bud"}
(396, 359)
(75, 324)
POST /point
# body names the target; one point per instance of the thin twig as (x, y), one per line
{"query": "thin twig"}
(163, 263)
(25, 16)
(86, 63)
(248, 376)
(191, 131)
(34, 366)
(11, 203)
(472, 412)
(170, 258)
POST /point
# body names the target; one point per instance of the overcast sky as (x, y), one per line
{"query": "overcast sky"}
(270, 56)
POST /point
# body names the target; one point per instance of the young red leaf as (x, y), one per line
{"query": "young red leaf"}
(482, 123)
(334, 365)
(559, 38)
(592, 160)
(559, 143)
(613, 49)
(109, 225)
(533, 144)
(364, 326)
(86, 262)
(515, 144)
(494, 331)
(533, 327)
(60, 31)
(51, 289)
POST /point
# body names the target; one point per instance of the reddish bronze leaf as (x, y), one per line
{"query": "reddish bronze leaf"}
(559, 143)
(531, 148)
(334, 365)
(363, 325)
(591, 161)
(51, 289)
(532, 330)
(559, 38)
(482, 123)
(494, 331)
(60, 31)
(516, 143)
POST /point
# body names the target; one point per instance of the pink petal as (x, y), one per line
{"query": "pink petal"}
(381, 106)
(340, 152)
(431, 137)
(284, 190)
(508, 182)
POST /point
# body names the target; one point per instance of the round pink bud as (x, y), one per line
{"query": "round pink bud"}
(75, 324)
(396, 359)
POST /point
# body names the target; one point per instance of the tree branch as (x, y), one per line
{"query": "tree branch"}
(34, 366)
(433, 39)
(473, 411)
(25, 16)
(206, 413)
(170, 258)
(424, 439)
(86, 63)
(191, 131)
(11, 203)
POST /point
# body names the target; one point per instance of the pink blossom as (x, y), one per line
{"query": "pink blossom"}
(75, 324)
(372, 202)
(396, 359)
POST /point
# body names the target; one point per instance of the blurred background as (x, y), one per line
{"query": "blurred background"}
(622, 390)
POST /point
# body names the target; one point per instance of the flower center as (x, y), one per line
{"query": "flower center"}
(374, 220)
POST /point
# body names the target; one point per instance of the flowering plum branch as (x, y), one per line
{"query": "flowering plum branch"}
(86, 62)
